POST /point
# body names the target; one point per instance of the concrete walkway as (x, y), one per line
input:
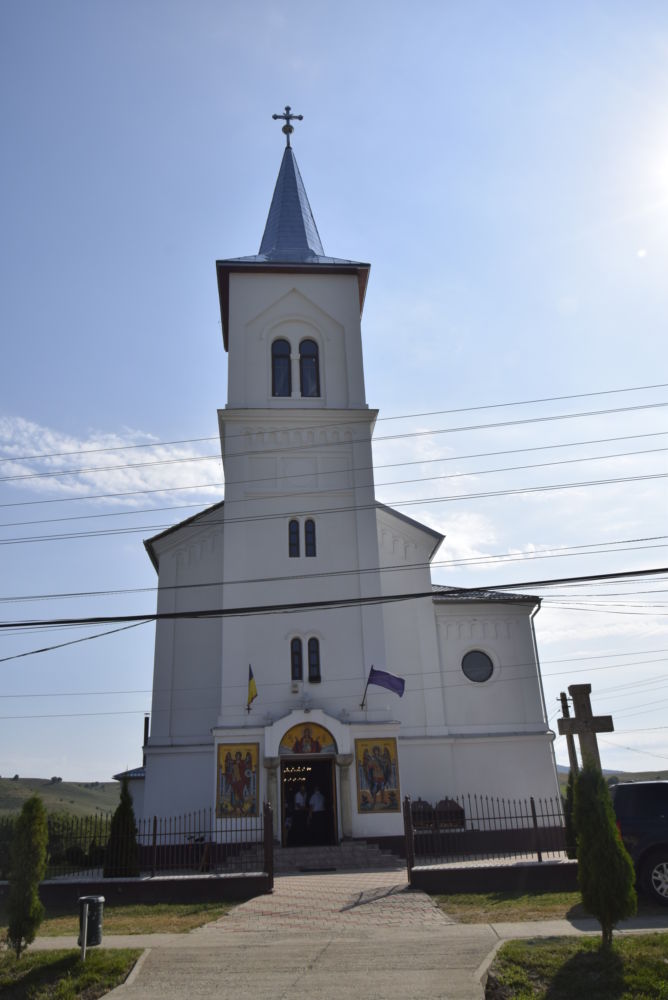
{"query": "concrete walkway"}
(327, 937)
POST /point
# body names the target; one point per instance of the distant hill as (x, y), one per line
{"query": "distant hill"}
(624, 775)
(612, 777)
(79, 798)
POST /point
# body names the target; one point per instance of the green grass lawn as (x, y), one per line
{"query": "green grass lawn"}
(575, 969)
(157, 918)
(491, 907)
(61, 975)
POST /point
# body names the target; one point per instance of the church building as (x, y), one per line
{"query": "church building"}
(331, 670)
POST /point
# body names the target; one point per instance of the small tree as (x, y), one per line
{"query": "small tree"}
(571, 838)
(605, 870)
(27, 869)
(122, 854)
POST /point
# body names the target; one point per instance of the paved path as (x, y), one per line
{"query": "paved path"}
(325, 937)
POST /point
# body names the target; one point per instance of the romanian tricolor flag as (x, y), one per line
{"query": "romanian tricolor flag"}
(252, 688)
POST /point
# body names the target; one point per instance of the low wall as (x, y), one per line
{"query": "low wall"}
(161, 889)
(460, 844)
(546, 876)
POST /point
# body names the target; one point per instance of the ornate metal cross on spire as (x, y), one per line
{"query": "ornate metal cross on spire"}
(287, 118)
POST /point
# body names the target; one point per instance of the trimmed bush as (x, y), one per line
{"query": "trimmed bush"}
(27, 869)
(605, 869)
(122, 854)
(6, 837)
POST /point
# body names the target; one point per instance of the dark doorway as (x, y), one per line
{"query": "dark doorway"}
(308, 798)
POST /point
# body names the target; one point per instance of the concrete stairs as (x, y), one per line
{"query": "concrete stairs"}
(350, 855)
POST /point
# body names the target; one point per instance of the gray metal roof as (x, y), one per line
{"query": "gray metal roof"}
(290, 233)
(134, 772)
(457, 594)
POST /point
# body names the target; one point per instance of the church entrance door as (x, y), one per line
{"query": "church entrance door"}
(308, 801)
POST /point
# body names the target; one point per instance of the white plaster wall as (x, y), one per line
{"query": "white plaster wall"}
(504, 766)
(322, 307)
(179, 780)
(507, 767)
(136, 789)
(187, 676)
(512, 698)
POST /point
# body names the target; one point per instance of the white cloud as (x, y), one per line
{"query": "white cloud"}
(122, 468)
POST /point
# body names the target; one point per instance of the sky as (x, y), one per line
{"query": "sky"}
(504, 169)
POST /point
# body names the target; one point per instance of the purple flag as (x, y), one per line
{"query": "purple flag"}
(385, 680)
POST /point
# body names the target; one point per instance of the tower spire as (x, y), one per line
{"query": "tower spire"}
(290, 232)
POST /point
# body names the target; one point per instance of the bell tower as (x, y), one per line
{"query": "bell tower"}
(300, 513)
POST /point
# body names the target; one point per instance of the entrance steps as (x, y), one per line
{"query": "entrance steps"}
(350, 855)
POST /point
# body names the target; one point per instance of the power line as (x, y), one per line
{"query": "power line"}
(254, 518)
(270, 684)
(319, 445)
(131, 512)
(364, 468)
(72, 642)
(299, 606)
(592, 548)
(646, 753)
(405, 416)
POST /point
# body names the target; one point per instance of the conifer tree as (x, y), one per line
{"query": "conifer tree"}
(122, 854)
(27, 869)
(605, 870)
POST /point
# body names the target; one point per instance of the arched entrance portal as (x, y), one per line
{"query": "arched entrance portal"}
(308, 786)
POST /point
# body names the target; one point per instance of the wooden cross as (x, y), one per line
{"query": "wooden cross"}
(585, 725)
(287, 117)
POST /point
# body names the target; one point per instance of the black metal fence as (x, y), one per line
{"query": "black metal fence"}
(197, 842)
(476, 827)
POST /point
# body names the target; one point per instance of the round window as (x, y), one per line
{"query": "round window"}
(477, 666)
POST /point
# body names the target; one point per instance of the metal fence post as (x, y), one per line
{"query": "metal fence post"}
(535, 829)
(155, 846)
(269, 843)
(409, 838)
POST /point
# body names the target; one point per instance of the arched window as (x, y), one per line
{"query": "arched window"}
(309, 538)
(314, 661)
(281, 375)
(296, 668)
(309, 369)
(293, 539)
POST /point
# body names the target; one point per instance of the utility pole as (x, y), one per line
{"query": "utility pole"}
(585, 725)
(570, 739)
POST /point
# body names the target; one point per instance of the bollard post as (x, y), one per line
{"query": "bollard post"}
(84, 932)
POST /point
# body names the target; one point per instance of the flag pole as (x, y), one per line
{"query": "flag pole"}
(365, 689)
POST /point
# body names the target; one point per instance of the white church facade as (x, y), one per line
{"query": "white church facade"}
(312, 582)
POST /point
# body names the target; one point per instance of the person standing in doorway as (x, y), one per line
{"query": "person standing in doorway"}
(317, 815)
(300, 816)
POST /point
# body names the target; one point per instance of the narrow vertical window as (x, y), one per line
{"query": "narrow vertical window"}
(293, 539)
(309, 369)
(296, 671)
(314, 661)
(281, 377)
(309, 538)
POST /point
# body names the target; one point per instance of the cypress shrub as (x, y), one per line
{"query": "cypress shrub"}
(605, 870)
(122, 854)
(27, 869)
